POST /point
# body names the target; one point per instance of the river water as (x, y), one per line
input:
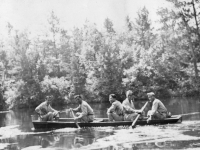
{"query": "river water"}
(17, 131)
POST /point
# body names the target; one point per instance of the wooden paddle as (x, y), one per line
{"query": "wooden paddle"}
(75, 121)
(66, 111)
(193, 113)
(134, 122)
(1, 112)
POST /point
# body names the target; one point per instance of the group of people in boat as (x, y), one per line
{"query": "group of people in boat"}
(118, 111)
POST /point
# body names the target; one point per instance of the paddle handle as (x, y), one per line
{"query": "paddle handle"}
(75, 121)
(193, 113)
(64, 111)
(134, 122)
(1, 112)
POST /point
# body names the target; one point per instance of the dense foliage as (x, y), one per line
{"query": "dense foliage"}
(96, 63)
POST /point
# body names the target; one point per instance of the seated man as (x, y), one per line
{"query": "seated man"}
(158, 110)
(45, 111)
(84, 112)
(130, 113)
(115, 112)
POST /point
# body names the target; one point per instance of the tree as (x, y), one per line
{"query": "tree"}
(54, 44)
(78, 76)
(129, 24)
(188, 12)
(144, 32)
(109, 26)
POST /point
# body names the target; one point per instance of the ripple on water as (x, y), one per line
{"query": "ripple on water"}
(145, 137)
(172, 136)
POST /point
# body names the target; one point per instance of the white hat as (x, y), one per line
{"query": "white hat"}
(151, 94)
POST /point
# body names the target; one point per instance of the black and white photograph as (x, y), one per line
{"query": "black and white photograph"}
(99, 74)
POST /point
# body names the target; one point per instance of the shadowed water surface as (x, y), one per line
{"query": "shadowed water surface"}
(17, 132)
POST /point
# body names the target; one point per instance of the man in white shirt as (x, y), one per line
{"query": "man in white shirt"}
(130, 113)
(84, 112)
(158, 110)
(46, 112)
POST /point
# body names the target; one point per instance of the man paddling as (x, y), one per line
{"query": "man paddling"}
(130, 113)
(158, 110)
(115, 112)
(46, 112)
(84, 113)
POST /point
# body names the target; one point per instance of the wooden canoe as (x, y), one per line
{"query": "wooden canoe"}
(99, 122)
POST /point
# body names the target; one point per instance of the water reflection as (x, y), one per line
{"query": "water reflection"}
(60, 139)
(49, 140)
(72, 140)
(16, 131)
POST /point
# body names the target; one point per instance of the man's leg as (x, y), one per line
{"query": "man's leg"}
(44, 118)
(118, 118)
(90, 118)
(115, 117)
(150, 115)
(110, 116)
(56, 115)
(86, 119)
(160, 116)
(47, 117)
(130, 117)
(156, 115)
(50, 116)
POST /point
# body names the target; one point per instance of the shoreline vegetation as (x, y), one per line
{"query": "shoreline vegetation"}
(96, 63)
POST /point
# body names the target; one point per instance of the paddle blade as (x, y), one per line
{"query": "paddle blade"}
(134, 122)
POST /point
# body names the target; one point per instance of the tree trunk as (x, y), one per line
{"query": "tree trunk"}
(191, 47)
